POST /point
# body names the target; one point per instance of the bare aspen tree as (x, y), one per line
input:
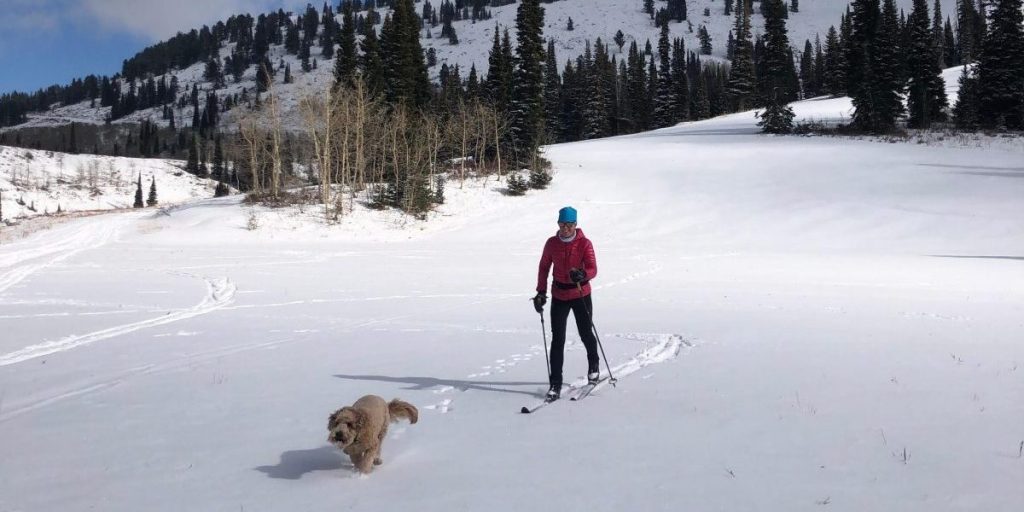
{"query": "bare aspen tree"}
(252, 138)
(433, 141)
(500, 124)
(275, 137)
(481, 129)
(318, 114)
(464, 127)
(363, 105)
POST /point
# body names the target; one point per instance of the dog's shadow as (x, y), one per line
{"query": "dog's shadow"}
(296, 463)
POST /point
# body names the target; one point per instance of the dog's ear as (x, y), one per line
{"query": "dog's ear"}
(334, 419)
(352, 416)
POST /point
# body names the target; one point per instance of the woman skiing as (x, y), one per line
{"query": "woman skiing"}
(572, 255)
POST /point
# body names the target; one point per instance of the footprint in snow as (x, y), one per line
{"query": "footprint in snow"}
(442, 407)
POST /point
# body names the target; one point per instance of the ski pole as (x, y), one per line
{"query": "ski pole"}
(611, 378)
(544, 333)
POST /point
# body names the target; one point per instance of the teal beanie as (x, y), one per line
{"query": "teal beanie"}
(567, 214)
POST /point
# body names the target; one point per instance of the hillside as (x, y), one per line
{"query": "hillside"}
(592, 19)
(35, 183)
(46, 180)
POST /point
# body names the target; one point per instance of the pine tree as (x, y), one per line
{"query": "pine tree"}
(938, 35)
(291, 39)
(968, 23)
(372, 63)
(539, 179)
(794, 5)
(891, 81)
(807, 70)
(776, 118)
(602, 90)
(552, 95)
(926, 98)
(192, 165)
(701, 108)
(965, 112)
(834, 67)
(528, 96)
(499, 80)
(636, 89)
(594, 122)
(874, 82)
(677, 10)
(680, 82)
(819, 66)
(346, 62)
(740, 87)
(473, 83)
(73, 137)
(705, 40)
(219, 172)
(328, 34)
(664, 101)
(652, 93)
(1001, 67)
(570, 115)
(517, 186)
(405, 69)
(152, 201)
(138, 194)
(775, 83)
(949, 43)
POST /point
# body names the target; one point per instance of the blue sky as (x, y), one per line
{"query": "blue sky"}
(54, 41)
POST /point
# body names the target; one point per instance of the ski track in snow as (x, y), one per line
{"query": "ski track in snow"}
(26, 258)
(185, 361)
(658, 348)
(219, 292)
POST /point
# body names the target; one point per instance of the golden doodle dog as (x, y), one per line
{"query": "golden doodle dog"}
(359, 429)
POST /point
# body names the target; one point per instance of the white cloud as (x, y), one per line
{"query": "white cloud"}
(151, 19)
(160, 19)
(29, 15)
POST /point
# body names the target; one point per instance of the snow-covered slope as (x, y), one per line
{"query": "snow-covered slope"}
(797, 323)
(34, 183)
(592, 19)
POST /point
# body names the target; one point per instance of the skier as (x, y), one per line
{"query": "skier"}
(572, 255)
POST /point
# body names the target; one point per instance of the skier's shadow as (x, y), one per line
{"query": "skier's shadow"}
(423, 383)
(296, 463)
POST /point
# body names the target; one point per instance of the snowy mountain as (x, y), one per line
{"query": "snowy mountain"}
(592, 19)
(796, 323)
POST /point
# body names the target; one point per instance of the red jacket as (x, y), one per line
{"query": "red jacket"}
(566, 256)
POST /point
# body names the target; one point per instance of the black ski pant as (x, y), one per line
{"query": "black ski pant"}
(559, 318)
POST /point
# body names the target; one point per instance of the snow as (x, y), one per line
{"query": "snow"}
(88, 183)
(795, 322)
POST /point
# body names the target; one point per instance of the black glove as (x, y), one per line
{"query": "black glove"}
(577, 275)
(539, 301)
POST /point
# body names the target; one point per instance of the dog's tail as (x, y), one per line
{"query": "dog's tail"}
(400, 409)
